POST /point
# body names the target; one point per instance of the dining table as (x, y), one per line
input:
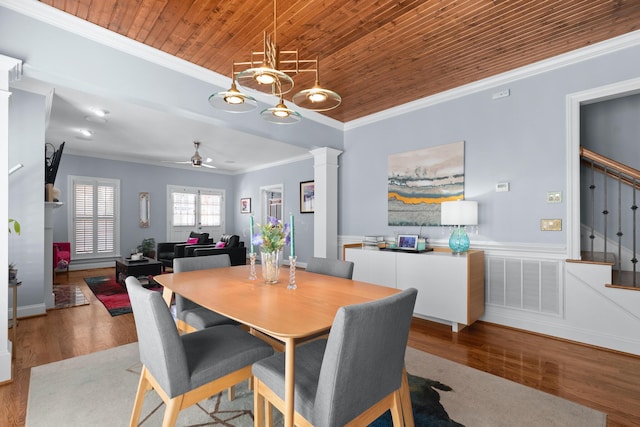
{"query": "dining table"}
(288, 316)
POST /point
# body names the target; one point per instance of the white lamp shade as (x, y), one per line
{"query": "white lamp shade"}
(459, 212)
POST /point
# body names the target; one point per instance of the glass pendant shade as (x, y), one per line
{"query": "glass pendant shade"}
(266, 80)
(233, 101)
(317, 99)
(280, 114)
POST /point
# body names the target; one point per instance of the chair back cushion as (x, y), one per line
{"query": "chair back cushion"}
(161, 350)
(364, 357)
(196, 263)
(330, 267)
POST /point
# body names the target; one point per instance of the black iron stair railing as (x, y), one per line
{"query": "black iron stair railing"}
(625, 180)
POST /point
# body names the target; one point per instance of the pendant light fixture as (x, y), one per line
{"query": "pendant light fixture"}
(232, 100)
(281, 114)
(270, 71)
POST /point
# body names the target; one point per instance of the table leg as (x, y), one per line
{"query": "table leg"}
(289, 375)
(167, 294)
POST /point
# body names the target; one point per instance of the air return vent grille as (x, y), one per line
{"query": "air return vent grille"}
(531, 285)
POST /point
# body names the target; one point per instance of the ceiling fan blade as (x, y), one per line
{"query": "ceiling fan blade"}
(180, 163)
(208, 166)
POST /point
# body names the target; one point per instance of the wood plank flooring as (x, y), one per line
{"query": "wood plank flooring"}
(597, 378)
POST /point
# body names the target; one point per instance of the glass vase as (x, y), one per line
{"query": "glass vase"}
(270, 266)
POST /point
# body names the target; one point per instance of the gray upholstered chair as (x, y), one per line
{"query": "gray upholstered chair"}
(350, 379)
(185, 369)
(331, 267)
(192, 316)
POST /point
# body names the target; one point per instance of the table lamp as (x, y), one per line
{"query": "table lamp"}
(459, 213)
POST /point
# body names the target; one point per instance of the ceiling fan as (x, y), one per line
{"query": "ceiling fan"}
(196, 160)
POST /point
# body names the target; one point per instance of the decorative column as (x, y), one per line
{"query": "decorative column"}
(10, 70)
(325, 229)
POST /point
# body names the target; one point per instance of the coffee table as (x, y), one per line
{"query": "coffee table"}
(126, 267)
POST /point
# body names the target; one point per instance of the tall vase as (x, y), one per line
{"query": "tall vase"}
(270, 267)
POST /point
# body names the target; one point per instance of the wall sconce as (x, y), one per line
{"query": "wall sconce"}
(459, 214)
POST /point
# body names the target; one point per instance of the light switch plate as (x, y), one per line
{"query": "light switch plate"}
(551, 224)
(502, 187)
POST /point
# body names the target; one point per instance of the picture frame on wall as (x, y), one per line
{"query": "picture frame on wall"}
(245, 205)
(307, 196)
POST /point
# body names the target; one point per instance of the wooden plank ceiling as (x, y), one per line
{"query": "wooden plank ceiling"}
(376, 54)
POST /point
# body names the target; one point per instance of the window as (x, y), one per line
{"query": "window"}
(95, 217)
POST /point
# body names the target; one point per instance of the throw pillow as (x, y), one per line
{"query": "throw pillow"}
(192, 240)
(220, 245)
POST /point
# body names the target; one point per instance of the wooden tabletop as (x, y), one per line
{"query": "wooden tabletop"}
(273, 309)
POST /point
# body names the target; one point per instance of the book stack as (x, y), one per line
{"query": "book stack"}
(371, 242)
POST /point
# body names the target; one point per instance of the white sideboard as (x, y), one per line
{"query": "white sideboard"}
(450, 287)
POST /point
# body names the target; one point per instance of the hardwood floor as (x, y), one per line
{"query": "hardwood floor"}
(597, 378)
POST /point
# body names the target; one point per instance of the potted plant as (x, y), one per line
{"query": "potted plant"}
(148, 247)
(13, 272)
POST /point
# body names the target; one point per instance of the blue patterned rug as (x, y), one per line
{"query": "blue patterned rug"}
(425, 400)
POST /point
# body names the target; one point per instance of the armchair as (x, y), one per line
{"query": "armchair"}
(61, 256)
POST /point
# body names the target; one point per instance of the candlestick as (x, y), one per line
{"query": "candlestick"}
(252, 262)
(292, 273)
(251, 231)
(293, 249)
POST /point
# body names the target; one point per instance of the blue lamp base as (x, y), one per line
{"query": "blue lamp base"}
(459, 241)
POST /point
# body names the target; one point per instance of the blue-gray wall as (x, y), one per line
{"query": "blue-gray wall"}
(134, 179)
(26, 194)
(290, 176)
(521, 139)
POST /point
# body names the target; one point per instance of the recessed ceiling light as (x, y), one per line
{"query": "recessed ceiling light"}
(100, 112)
(85, 132)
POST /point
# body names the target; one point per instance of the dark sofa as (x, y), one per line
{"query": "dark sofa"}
(168, 251)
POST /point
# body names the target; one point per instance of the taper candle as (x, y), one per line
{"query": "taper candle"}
(291, 230)
(251, 231)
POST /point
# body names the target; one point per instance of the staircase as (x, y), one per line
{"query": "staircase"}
(608, 209)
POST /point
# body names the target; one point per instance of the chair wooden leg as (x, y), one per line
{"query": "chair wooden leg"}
(396, 410)
(143, 385)
(405, 400)
(231, 391)
(172, 410)
(258, 409)
(268, 413)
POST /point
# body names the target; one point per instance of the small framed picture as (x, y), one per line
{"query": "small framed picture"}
(245, 205)
(408, 242)
(307, 194)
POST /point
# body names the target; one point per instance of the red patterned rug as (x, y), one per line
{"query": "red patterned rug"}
(114, 295)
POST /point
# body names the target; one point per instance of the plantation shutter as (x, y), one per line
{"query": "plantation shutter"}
(95, 217)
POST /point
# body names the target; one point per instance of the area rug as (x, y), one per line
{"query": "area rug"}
(113, 295)
(73, 392)
(65, 296)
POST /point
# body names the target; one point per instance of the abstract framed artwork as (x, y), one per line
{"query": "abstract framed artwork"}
(307, 196)
(418, 181)
(245, 205)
